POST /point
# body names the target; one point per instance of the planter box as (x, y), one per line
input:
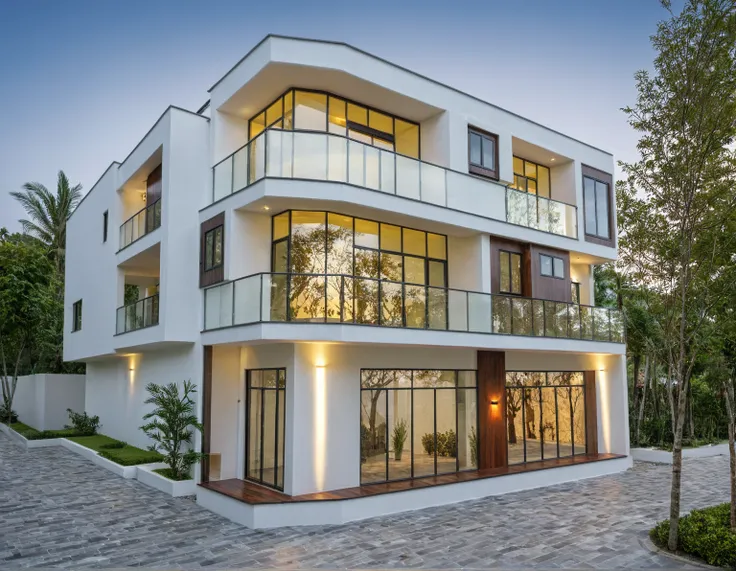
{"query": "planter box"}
(665, 456)
(127, 472)
(147, 476)
(21, 440)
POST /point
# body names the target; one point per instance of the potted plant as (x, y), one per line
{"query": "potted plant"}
(398, 438)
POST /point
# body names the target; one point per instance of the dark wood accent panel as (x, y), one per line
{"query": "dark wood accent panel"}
(498, 244)
(607, 178)
(206, 411)
(493, 452)
(153, 185)
(591, 414)
(215, 275)
(251, 493)
(547, 287)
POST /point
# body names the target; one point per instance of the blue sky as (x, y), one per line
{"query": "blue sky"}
(83, 80)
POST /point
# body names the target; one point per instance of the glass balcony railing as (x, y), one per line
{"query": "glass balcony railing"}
(321, 156)
(341, 299)
(142, 313)
(141, 223)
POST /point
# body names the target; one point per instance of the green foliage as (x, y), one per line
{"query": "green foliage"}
(7, 415)
(130, 456)
(398, 436)
(83, 424)
(113, 445)
(168, 473)
(446, 443)
(703, 533)
(171, 426)
(132, 293)
(473, 439)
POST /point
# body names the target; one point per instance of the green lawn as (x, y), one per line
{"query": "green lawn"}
(23, 429)
(126, 456)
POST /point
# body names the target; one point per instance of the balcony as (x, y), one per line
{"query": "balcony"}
(141, 223)
(341, 299)
(143, 313)
(277, 153)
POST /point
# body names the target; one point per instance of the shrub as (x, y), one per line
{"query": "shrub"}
(171, 427)
(446, 443)
(399, 435)
(5, 412)
(428, 443)
(83, 424)
(130, 456)
(167, 473)
(113, 445)
(473, 440)
(703, 533)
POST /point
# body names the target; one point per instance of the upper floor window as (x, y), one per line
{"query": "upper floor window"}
(510, 274)
(575, 292)
(531, 177)
(77, 315)
(596, 196)
(213, 248)
(482, 153)
(552, 266)
(303, 110)
(104, 226)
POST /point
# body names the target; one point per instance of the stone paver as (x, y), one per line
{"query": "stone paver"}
(59, 510)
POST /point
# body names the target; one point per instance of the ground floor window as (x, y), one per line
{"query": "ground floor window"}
(545, 415)
(265, 393)
(417, 423)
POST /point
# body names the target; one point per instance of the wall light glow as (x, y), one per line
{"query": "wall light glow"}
(320, 426)
(605, 408)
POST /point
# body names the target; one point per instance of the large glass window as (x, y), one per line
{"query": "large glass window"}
(545, 415)
(306, 110)
(265, 426)
(531, 177)
(510, 272)
(213, 245)
(596, 197)
(356, 270)
(416, 423)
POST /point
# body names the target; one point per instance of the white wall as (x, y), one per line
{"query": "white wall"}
(469, 262)
(227, 414)
(41, 400)
(562, 179)
(116, 393)
(247, 243)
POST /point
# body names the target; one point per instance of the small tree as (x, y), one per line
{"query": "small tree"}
(171, 427)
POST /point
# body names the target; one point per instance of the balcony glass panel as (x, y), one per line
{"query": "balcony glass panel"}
(538, 317)
(601, 325)
(391, 304)
(501, 314)
(141, 223)
(223, 179)
(434, 189)
(457, 306)
(407, 177)
(247, 295)
(521, 316)
(586, 322)
(388, 172)
(137, 315)
(479, 312)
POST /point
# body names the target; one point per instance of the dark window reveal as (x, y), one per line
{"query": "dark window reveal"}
(77, 315)
(552, 266)
(482, 153)
(104, 226)
(213, 248)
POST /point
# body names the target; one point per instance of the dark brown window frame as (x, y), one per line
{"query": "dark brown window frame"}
(77, 316)
(605, 178)
(213, 233)
(480, 169)
(553, 274)
(511, 280)
(215, 274)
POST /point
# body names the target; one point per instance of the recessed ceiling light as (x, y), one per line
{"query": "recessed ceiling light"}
(552, 159)
(266, 208)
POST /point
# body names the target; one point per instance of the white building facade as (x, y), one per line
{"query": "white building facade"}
(378, 283)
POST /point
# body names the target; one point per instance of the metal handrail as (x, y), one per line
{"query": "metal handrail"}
(255, 165)
(536, 317)
(152, 211)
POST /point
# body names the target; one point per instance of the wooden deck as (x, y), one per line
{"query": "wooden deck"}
(252, 493)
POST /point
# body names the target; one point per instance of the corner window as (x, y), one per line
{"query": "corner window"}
(510, 272)
(77, 315)
(552, 266)
(482, 153)
(531, 177)
(596, 198)
(104, 226)
(213, 248)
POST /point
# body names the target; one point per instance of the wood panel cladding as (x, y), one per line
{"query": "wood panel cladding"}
(153, 186)
(591, 414)
(493, 452)
(533, 283)
(206, 412)
(216, 274)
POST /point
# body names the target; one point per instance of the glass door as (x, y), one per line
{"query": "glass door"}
(265, 394)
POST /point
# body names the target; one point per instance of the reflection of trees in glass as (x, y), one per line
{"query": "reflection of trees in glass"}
(376, 380)
(513, 407)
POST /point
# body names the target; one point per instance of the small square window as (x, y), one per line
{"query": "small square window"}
(559, 267)
(482, 153)
(552, 266)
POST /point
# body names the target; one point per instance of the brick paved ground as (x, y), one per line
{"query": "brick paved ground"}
(59, 510)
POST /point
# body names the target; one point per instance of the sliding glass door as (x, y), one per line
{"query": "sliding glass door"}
(265, 393)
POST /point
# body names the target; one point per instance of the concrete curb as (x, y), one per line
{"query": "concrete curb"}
(648, 544)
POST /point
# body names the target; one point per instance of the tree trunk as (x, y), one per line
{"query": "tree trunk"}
(679, 423)
(730, 409)
(643, 401)
(635, 389)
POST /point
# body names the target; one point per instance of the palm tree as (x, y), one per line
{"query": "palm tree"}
(48, 214)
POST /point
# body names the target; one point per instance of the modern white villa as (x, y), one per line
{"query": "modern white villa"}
(382, 286)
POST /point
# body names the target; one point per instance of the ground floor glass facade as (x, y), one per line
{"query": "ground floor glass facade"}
(416, 423)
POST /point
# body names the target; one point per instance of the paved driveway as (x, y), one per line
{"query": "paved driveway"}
(57, 509)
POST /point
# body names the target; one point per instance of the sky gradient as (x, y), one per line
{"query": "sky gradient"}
(83, 80)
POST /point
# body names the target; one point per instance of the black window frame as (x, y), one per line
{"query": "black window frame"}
(575, 292)
(554, 273)
(279, 423)
(214, 233)
(481, 169)
(609, 224)
(528, 178)
(77, 316)
(511, 279)
(105, 217)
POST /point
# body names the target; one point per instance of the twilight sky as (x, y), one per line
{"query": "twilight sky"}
(81, 81)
